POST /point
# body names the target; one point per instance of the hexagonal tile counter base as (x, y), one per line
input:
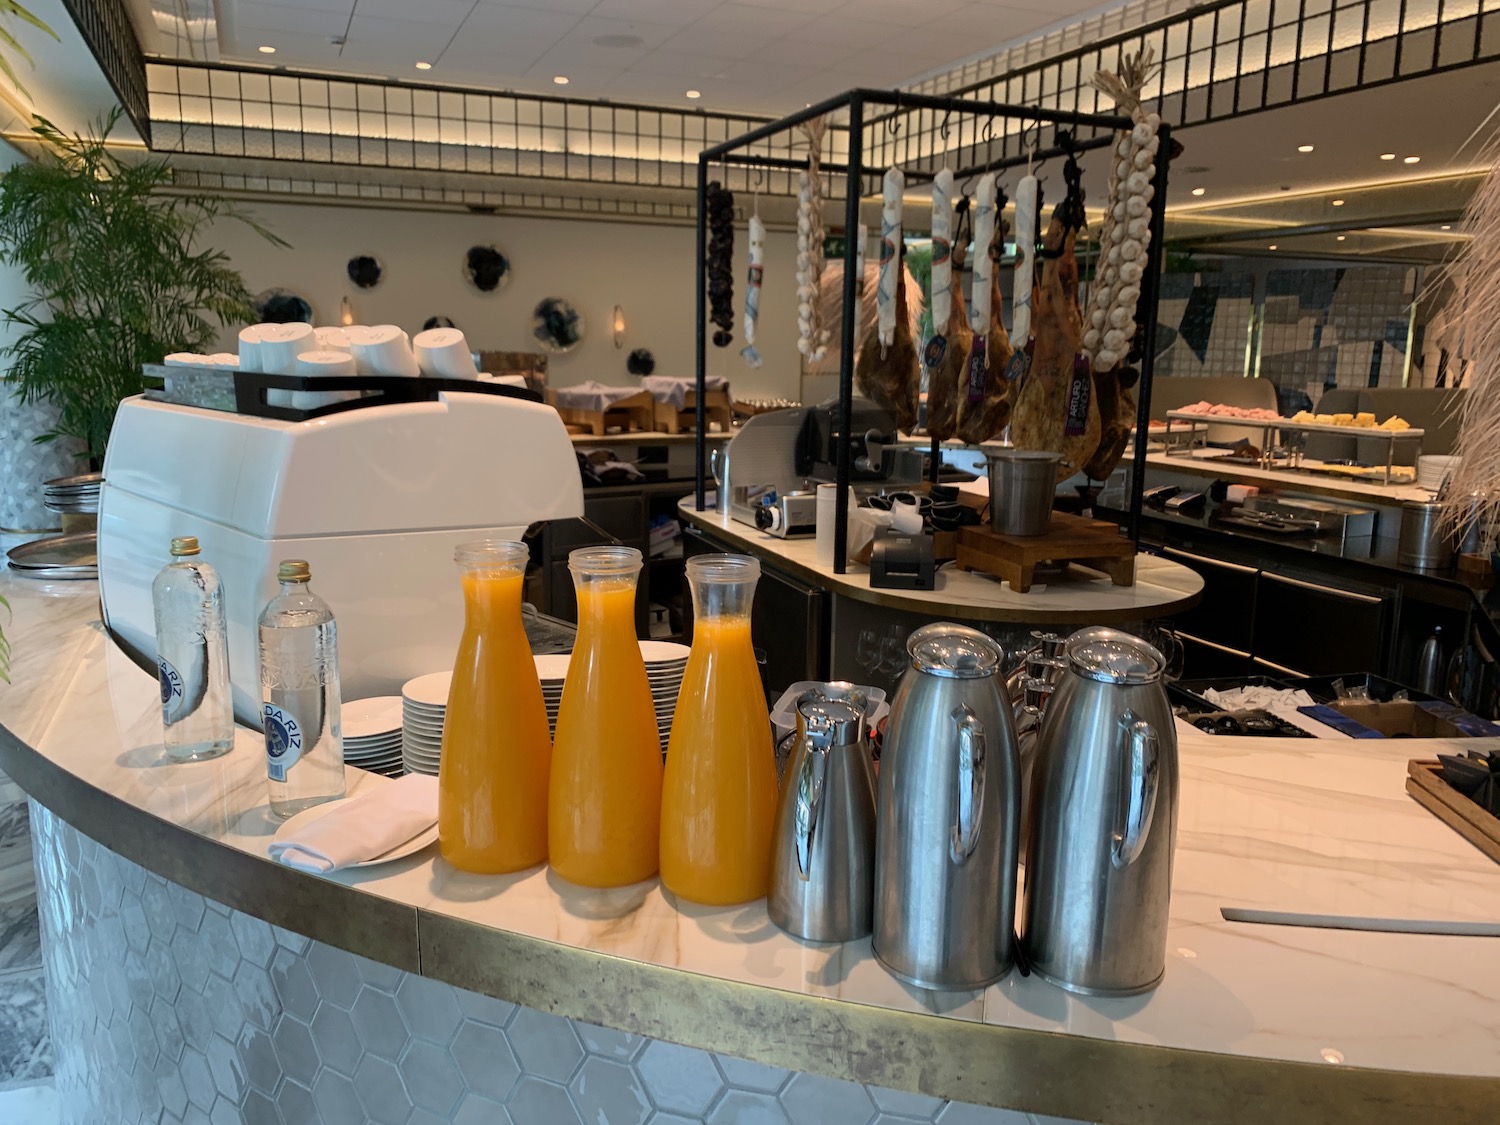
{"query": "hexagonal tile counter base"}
(169, 1007)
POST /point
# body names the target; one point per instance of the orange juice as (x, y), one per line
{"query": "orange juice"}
(605, 799)
(492, 777)
(719, 797)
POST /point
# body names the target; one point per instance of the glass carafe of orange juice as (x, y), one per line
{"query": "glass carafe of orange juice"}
(493, 772)
(604, 804)
(719, 798)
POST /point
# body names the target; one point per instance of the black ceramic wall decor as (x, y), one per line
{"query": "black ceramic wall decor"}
(556, 324)
(279, 305)
(486, 268)
(365, 270)
(641, 362)
(437, 322)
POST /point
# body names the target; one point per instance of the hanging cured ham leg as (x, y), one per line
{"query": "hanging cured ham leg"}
(991, 415)
(887, 374)
(1055, 406)
(945, 386)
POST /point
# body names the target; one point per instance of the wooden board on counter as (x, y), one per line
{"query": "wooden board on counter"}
(1474, 824)
(1095, 544)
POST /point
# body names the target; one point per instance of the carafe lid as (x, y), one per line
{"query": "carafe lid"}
(1114, 657)
(953, 651)
(834, 722)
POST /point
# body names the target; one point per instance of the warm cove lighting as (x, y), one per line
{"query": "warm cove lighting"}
(267, 50)
(560, 79)
(1199, 190)
(424, 66)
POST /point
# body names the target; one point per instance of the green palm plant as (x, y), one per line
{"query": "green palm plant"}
(117, 277)
(9, 9)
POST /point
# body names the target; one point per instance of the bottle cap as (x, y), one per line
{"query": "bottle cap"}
(184, 545)
(293, 570)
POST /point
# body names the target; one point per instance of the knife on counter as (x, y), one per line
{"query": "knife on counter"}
(1354, 922)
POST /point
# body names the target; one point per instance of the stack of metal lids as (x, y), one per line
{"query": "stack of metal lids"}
(73, 495)
(60, 557)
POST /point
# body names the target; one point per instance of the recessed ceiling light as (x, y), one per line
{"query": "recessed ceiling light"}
(1341, 238)
(268, 50)
(1338, 202)
(424, 66)
(1447, 226)
(1411, 160)
(1199, 190)
(1304, 148)
(1271, 247)
(1388, 156)
(560, 79)
(695, 93)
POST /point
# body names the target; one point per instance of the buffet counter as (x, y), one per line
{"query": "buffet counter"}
(184, 966)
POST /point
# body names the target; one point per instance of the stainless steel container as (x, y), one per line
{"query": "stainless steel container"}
(1103, 821)
(1425, 543)
(1022, 485)
(823, 850)
(948, 811)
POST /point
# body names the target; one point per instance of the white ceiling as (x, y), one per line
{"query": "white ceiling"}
(766, 56)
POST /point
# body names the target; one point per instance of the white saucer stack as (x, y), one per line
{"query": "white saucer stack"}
(424, 703)
(372, 734)
(665, 664)
(552, 670)
(1432, 468)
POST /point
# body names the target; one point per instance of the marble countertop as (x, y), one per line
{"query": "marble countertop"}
(1162, 587)
(1293, 825)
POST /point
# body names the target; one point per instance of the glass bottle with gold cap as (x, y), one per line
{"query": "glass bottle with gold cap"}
(299, 691)
(192, 656)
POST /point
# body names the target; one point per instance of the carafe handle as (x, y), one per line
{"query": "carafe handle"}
(1141, 787)
(965, 835)
(809, 803)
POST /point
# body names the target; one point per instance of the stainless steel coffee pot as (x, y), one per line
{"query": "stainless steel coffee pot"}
(1103, 821)
(948, 805)
(823, 849)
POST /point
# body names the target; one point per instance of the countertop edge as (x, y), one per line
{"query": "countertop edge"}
(1032, 1070)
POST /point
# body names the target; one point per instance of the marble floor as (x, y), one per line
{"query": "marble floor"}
(25, 1047)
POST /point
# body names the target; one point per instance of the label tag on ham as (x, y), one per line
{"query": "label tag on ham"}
(1020, 363)
(977, 371)
(933, 353)
(1079, 391)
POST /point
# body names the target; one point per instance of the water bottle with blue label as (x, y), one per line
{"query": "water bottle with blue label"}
(192, 657)
(299, 691)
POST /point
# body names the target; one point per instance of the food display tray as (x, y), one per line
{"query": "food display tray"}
(1267, 426)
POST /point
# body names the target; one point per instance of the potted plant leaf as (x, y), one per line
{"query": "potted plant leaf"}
(117, 276)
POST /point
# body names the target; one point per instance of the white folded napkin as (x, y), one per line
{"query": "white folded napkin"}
(364, 827)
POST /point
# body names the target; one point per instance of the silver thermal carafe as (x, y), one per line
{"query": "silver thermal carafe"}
(948, 811)
(1103, 821)
(823, 850)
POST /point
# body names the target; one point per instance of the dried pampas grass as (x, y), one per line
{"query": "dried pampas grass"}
(1477, 273)
(832, 289)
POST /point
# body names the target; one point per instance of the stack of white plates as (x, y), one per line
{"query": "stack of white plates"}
(372, 734)
(424, 703)
(665, 664)
(73, 495)
(1432, 468)
(552, 670)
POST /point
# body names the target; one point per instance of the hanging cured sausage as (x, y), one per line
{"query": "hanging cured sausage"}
(945, 380)
(721, 262)
(757, 239)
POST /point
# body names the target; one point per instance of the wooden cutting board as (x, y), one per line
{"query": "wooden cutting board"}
(1095, 544)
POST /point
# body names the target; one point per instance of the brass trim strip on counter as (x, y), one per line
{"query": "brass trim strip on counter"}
(1047, 1072)
(1333, 591)
(1178, 552)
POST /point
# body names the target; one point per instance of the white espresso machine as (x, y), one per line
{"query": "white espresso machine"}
(374, 498)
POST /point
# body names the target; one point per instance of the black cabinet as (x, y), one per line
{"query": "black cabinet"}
(1317, 629)
(1226, 615)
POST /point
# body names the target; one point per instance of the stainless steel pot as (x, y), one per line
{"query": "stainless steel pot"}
(1425, 543)
(1103, 821)
(823, 850)
(948, 809)
(1022, 485)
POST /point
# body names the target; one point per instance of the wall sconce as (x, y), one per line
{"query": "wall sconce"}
(346, 312)
(619, 327)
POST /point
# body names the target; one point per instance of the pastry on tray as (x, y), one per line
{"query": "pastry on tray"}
(1395, 422)
(1365, 420)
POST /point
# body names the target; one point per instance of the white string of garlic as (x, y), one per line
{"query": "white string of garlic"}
(812, 337)
(1125, 238)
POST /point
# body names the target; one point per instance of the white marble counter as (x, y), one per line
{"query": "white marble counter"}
(1294, 825)
(1162, 587)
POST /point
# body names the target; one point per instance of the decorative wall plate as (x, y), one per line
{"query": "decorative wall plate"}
(279, 305)
(437, 322)
(556, 324)
(365, 270)
(486, 269)
(641, 362)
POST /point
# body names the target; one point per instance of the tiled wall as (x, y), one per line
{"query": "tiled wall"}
(168, 1007)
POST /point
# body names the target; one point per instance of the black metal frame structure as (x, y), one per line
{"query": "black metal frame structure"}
(105, 26)
(895, 137)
